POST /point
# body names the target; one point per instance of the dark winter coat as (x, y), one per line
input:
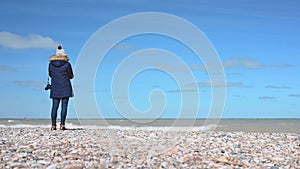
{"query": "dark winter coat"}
(60, 71)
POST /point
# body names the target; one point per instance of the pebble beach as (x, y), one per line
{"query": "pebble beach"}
(151, 148)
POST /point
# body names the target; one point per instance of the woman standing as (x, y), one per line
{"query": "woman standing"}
(60, 71)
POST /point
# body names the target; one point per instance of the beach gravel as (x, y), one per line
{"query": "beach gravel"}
(138, 148)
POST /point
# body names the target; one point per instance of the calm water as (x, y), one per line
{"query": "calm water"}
(247, 125)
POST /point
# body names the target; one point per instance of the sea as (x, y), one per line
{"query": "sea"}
(282, 125)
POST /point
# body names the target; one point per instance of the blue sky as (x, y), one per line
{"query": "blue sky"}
(257, 42)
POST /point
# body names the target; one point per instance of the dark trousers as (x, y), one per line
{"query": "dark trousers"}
(64, 109)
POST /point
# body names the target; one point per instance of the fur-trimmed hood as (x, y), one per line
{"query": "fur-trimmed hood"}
(57, 57)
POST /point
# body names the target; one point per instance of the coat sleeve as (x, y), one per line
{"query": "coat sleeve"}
(49, 71)
(70, 71)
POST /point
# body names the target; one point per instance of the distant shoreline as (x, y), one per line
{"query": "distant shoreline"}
(277, 118)
(277, 125)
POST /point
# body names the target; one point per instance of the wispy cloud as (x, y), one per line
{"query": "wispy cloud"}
(113, 60)
(30, 83)
(242, 63)
(38, 88)
(235, 63)
(216, 84)
(5, 68)
(182, 91)
(124, 46)
(247, 63)
(265, 98)
(206, 84)
(295, 95)
(278, 87)
(234, 74)
(238, 96)
(281, 65)
(98, 91)
(14, 41)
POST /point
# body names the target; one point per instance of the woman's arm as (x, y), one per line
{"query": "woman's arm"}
(49, 71)
(70, 71)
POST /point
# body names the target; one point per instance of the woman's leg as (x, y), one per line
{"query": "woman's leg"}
(64, 109)
(55, 104)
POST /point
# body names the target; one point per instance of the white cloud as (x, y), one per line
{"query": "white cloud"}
(14, 41)
(216, 84)
(234, 63)
(295, 95)
(99, 91)
(234, 74)
(29, 83)
(5, 68)
(281, 65)
(266, 98)
(247, 63)
(206, 84)
(242, 63)
(278, 87)
(124, 46)
(182, 91)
